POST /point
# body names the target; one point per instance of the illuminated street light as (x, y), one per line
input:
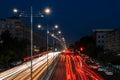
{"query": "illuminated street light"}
(15, 10)
(47, 32)
(47, 11)
(59, 32)
(56, 26)
(39, 26)
(52, 35)
(47, 41)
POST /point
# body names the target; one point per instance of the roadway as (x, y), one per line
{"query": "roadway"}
(22, 72)
(73, 67)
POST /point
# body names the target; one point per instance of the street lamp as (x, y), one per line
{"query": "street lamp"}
(47, 11)
(47, 41)
(15, 10)
(39, 26)
(52, 35)
(47, 32)
(61, 39)
(56, 26)
(59, 32)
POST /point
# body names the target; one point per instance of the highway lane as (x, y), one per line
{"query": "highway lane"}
(22, 72)
(59, 72)
(73, 67)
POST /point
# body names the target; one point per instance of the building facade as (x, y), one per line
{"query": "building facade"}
(100, 35)
(20, 30)
(112, 41)
(15, 27)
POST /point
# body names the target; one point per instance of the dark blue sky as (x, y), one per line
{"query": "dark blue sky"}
(76, 18)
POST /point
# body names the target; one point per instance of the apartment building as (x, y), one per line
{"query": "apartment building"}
(100, 35)
(112, 41)
(20, 30)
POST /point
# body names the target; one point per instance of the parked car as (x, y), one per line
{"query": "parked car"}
(109, 72)
(16, 63)
(93, 66)
(102, 68)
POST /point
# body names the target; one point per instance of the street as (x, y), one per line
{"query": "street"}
(22, 72)
(73, 67)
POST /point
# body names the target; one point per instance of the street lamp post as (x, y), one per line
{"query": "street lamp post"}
(60, 38)
(31, 20)
(47, 32)
(47, 44)
(47, 11)
(55, 27)
(47, 40)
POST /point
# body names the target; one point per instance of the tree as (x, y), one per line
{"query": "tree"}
(88, 45)
(5, 48)
(12, 49)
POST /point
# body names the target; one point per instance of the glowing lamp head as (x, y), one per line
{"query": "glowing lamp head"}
(59, 32)
(39, 26)
(47, 11)
(56, 26)
(52, 35)
(15, 10)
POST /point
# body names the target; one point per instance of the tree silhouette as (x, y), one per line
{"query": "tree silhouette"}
(12, 49)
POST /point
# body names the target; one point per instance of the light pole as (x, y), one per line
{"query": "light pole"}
(55, 28)
(47, 40)
(47, 11)
(47, 32)
(56, 36)
(60, 39)
(31, 21)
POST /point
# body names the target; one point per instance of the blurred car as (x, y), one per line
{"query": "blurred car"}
(102, 68)
(93, 66)
(108, 72)
(97, 63)
(16, 63)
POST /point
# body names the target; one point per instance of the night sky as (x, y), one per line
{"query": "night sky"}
(76, 18)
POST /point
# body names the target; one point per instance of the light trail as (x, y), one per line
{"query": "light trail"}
(88, 71)
(69, 71)
(81, 74)
(22, 72)
(75, 69)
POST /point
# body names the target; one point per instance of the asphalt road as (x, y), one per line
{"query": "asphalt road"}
(73, 67)
(22, 72)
